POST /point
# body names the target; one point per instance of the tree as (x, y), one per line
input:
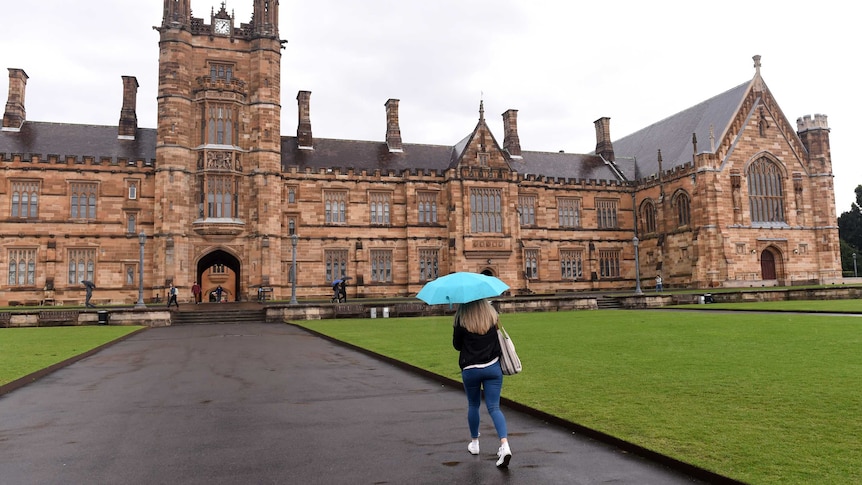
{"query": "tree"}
(850, 233)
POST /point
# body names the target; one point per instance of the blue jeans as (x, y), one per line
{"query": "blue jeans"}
(491, 379)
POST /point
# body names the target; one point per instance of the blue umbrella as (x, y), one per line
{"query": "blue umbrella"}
(461, 287)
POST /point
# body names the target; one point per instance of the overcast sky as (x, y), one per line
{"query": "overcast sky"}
(561, 64)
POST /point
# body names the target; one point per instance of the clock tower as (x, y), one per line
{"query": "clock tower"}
(218, 150)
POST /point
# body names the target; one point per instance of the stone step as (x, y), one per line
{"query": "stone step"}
(215, 317)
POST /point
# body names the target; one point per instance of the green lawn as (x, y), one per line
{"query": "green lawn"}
(27, 350)
(792, 305)
(762, 398)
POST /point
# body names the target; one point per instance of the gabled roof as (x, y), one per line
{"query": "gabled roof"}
(672, 135)
(68, 140)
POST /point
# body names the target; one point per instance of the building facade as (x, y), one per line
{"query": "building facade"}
(726, 193)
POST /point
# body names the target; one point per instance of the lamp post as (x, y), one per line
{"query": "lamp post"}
(637, 268)
(142, 238)
(855, 274)
(293, 239)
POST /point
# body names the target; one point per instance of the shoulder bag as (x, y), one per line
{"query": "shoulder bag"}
(509, 360)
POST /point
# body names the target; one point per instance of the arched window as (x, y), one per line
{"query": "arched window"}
(682, 204)
(648, 215)
(765, 191)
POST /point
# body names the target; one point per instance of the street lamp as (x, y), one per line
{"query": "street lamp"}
(855, 274)
(142, 238)
(637, 268)
(293, 239)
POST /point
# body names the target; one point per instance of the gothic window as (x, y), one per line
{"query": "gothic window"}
(571, 264)
(335, 261)
(133, 190)
(682, 204)
(221, 72)
(22, 267)
(25, 199)
(606, 213)
(131, 224)
(380, 208)
(486, 213)
(569, 212)
(335, 206)
(765, 191)
(609, 263)
(291, 195)
(218, 269)
(527, 210)
(427, 207)
(381, 266)
(648, 216)
(428, 264)
(222, 197)
(83, 200)
(531, 264)
(220, 124)
(82, 265)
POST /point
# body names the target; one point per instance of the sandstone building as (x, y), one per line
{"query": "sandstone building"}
(725, 193)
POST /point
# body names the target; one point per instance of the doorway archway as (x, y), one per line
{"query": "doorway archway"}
(768, 270)
(219, 268)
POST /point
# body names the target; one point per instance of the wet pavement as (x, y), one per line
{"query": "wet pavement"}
(272, 403)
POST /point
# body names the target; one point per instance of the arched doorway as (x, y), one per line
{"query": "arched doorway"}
(488, 272)
(767, 265)
(219, 268)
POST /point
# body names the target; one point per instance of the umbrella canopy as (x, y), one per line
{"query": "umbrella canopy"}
(88, 284)
(461, 287)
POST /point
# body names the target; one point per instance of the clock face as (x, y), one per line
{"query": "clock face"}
(222, 26)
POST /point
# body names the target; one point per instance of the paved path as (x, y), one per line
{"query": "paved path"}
(270, 403)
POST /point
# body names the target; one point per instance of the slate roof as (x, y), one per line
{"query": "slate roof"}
(635, 154)
(375, 155)
(672, 135)
(565, 166)
(44, 139)
(363, 155)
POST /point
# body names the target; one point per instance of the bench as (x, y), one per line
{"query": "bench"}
(264, 293)
(62, 316)
(410, 309)
(349, 310)
(5, 317)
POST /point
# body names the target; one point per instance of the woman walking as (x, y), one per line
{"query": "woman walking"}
(475, 336)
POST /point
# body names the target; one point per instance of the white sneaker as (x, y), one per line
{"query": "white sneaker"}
(473, 447)
(504, 454)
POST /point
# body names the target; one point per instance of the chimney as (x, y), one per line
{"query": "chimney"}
(303, 131)
(15, 114)
(128, 117)
(511, 142)
(604, 147)
(393, 131)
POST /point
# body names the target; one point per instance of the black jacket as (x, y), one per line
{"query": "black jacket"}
(475, 349)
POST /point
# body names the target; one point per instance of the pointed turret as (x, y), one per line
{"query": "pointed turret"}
(177, 14)
(265, 18)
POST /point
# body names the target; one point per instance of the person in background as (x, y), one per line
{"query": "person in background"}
(88, 287)
(196, 292)
(172, 296)
(475, 337)
(658, 284)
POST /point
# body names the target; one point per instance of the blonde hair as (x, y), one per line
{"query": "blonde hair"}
(477, 316)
